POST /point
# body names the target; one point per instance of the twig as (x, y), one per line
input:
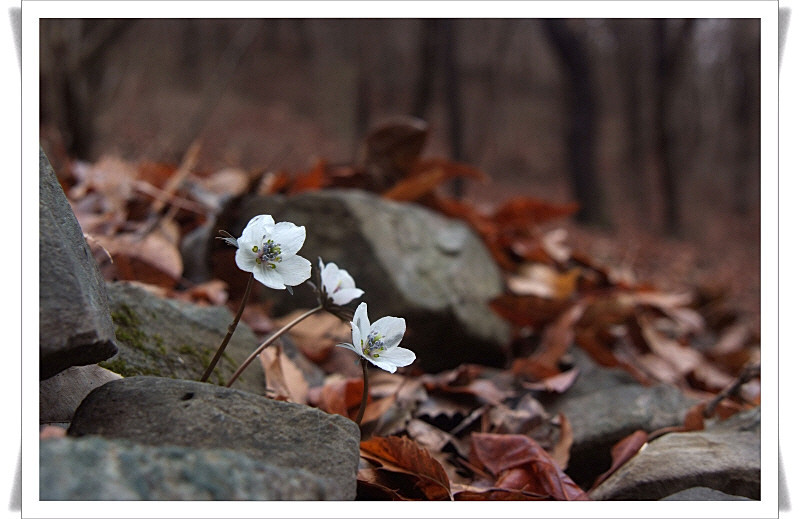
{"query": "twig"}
(748, 373)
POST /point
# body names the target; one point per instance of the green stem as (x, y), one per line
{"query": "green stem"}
(269, 341)
(364, 394)
(231, 329)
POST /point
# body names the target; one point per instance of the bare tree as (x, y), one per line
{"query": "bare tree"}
(572, 51)
(669, 51)
(438, 52)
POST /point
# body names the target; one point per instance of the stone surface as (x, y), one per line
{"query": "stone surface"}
(724, 457)
(74, 324)
(60, 395)
(601, 418)
(411, 262)
(161, 411)
(702, 494)
(169, 338)
(93, 468)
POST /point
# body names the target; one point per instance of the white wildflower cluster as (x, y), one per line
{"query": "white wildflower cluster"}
(269, 250)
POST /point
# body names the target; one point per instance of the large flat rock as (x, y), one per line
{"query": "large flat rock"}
(725, 457)
(93, 468)
(161, 411)
(170, 338)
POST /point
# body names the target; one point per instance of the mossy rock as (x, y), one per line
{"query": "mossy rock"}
(173, 339)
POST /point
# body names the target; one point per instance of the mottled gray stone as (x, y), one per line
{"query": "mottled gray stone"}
(60, 395)
(411, 262)
(725, 457)
(702, 494)
(162, 411)
(170, 338)
(92, 468)
(74, 324)
(601, 418)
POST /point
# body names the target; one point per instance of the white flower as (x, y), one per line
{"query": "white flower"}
(269, 251)
(378, 342)
(338, 284)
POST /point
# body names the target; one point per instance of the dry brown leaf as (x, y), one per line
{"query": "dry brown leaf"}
(153, 259)
(556, 383)
(521, 463)
(537, 279)
(621, 452)
(316, 335)
(560, 450)
(401, 454)
(284, 379)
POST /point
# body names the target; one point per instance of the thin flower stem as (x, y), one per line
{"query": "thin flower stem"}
(269, 341)
(231, 329)
(364, 394)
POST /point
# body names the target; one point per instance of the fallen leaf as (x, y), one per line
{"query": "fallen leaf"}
(521, 463)
(556, 383)
(561, 449)
(401, 454)
(524, 211)
(338, 395)
(621, 452)
(284, 379)
(544, 281)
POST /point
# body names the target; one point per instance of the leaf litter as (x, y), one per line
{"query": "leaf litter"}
(473, 432)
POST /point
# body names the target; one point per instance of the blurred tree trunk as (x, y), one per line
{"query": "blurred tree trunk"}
(581, 138)
(438, 52)
(668, 55)
(70, 60)
(747, 113)
(632, 56)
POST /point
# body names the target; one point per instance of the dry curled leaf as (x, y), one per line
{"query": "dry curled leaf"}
(521, 463)
(401, 454)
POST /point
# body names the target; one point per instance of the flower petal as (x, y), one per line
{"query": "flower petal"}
(293, 270)
(289, 236)
(329, 274)
(350, 347)
(361, 321)
(268, 276)
(391, 328)
(383, 364)
(245, 259)
(345, 295)
(256, 229)
(357, 338)
(345, 280)
(398, 356)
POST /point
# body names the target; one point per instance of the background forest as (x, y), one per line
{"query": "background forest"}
(652, 125)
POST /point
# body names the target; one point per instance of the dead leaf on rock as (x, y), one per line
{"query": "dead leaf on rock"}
(284, 379)
(316, 335)
(401, 454)
(521, 463)
(621, 452)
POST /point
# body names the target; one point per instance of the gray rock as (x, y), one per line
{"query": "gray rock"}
(169, 338)
(702, 494)
(600, 419)
(60, 395)
(74, 324)
(162, 411)
(411, 262)
(725, 457)
(93, 468)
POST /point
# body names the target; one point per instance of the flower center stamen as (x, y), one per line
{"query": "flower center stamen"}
(269, 253)
(374, 345)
